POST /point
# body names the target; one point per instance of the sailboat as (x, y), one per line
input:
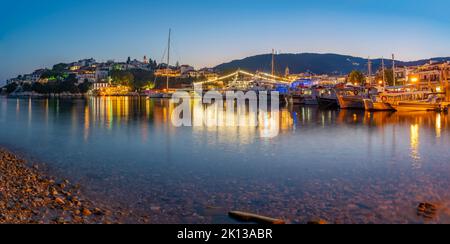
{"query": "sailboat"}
(165, 94)
(375, 102)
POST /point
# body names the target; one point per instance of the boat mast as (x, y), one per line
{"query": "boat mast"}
(168, 61)
(369, 64)
(393, 69)
(384, 71)
(444, 82)
(273, 62)
(447, 90)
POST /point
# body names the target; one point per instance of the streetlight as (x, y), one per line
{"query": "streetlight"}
(415, 80)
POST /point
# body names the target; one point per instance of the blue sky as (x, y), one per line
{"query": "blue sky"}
(36, 34)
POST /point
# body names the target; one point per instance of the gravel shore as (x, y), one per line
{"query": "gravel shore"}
(27, 196)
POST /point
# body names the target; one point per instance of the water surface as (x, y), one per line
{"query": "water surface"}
(342, 166)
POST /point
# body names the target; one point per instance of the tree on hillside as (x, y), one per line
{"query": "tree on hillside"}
(72, 78)
(121, 77)
(54, 75)
(59, 67)
(69, 84)
(142, 78)
(388, 75)
(40, 88)
(26, 87)
(11, 87)
(84, 87)
(356, 77)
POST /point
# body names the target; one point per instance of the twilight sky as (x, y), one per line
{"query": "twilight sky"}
(36, 34)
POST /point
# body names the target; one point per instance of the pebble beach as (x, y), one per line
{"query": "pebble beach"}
(27, 196)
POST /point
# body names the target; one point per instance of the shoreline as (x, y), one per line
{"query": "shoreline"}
(29, 196)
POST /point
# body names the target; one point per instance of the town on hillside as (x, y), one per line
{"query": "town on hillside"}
(146, 76)
(106, 78)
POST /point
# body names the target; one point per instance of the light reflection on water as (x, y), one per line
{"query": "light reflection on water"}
(344, 166)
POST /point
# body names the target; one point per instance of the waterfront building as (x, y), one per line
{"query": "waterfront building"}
(208, 73)
(423, 76)
(86, 62)
(185, 69)
(167, 72)
(402, 74)
(102, 73)
(136, 64)
(100, 85)
(13, 80)
(193, 74)
(86, 73)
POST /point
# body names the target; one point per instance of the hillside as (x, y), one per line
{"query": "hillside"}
(313, 62)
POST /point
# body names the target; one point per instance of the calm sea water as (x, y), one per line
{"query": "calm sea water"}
(342, 166)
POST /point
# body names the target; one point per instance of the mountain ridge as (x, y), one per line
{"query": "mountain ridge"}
(317, 63)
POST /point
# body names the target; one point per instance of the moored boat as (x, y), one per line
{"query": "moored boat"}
(304, 96)
(417, 106)
(371, 105)
(297, 99)
(413, 101)
(327, 98)
(351, 98)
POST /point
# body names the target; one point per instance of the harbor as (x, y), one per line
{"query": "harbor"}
(342, 166)
(358, 148)
(231, 114)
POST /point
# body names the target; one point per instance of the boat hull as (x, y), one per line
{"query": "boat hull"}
(311, 101)
(353, 102)
(302, 100)
(297, 100)
(370, 105)
(327, 102)
(417, 106)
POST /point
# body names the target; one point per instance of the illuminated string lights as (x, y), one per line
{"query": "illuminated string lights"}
(260, 75)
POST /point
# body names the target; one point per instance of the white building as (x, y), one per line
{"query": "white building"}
(102, 73)
(184, 69)
(90, 77)
(99, 85)
(86, 62)
(88, 74)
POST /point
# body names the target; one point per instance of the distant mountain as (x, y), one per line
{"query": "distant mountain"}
(313, 62)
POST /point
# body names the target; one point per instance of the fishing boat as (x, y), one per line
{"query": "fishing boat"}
(432, 102)
(351, 98)
(327, 98)
(375, 105)
(304, 96)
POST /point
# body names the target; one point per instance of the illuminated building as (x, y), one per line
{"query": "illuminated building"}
(167, 73)
(74, 67)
